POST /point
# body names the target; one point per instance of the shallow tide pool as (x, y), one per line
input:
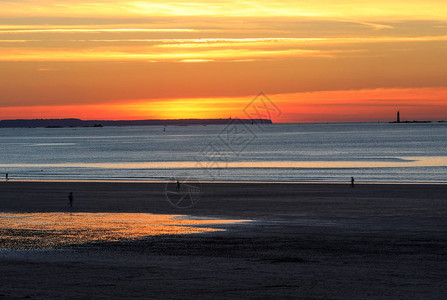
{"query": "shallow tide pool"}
(51, 230)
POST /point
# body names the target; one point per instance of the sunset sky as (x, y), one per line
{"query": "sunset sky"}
(318, 61)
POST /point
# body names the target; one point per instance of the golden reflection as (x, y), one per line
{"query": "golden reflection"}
(394, 162)
(47, 230)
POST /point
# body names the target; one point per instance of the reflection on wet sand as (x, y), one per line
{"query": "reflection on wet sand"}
(48, 230)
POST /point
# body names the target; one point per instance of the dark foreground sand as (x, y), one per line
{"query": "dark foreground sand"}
(313, 241)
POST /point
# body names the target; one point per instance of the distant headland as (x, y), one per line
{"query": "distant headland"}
(60, 123)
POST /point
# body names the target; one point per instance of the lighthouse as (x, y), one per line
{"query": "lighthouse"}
(398, 117)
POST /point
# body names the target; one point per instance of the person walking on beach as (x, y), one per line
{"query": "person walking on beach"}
(70, 198)
(352, 181)
(178, 186)
(7, 177)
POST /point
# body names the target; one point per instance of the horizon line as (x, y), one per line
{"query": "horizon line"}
(230, 118)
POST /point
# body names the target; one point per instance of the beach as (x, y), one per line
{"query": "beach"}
(312, 240)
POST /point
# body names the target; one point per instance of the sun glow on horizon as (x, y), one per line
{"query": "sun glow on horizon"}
(380, 104)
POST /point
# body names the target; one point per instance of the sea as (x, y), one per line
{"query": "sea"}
(235, 152)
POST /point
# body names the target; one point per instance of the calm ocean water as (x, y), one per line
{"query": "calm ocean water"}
(280, 152)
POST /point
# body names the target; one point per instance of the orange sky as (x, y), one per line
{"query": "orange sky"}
(319, 61)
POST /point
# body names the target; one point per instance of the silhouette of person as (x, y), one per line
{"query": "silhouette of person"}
(352, 181)
(70, 198)
(178, 186)
(7, 177)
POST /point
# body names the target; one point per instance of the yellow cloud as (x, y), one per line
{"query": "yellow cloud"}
(350, 9)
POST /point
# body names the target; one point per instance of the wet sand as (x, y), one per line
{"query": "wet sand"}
(306, 241)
